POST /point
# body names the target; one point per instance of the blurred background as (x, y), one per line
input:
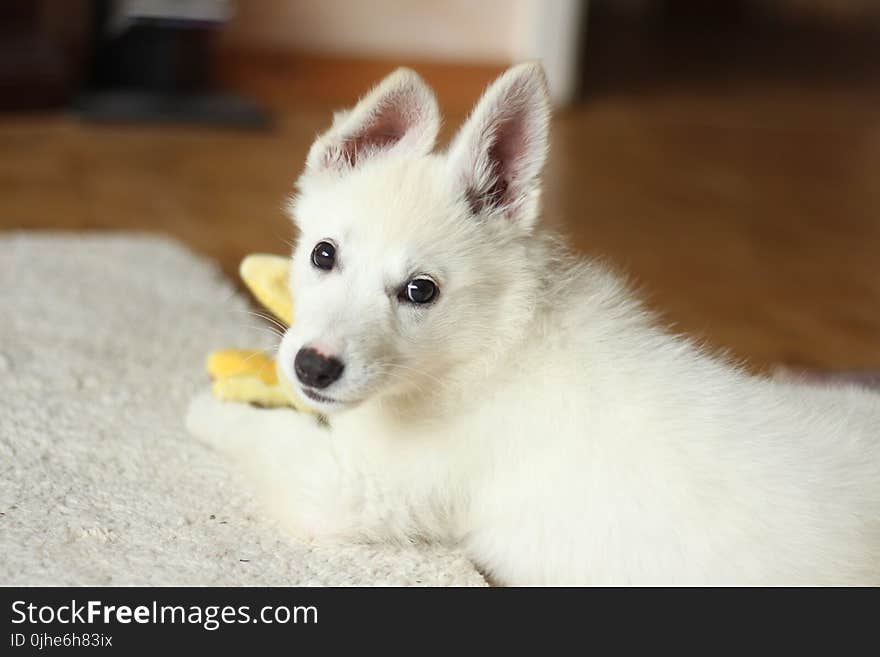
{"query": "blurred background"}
(725, 155)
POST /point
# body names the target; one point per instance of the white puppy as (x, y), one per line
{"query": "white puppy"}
(487, 389)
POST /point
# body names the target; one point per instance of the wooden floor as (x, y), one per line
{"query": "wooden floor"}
(748, 212)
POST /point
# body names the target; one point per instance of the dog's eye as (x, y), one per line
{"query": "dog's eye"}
(324, 255)
(419, 290)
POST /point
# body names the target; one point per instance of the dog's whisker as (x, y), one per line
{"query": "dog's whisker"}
(269, 318)
(257, 352)
(427, 375)
(413, 373)
(264, 329)
(404, 378)
(274, 322)
(269, 329)
(408, 383)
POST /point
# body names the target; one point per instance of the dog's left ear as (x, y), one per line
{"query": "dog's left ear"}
(498, 155)
(399, 114)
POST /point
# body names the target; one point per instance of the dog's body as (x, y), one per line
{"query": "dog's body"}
(530, 410)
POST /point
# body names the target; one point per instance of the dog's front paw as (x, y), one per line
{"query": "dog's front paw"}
(288, 457)
(217, 423)
(233, 426)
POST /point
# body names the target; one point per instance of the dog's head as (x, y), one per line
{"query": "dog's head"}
(411, 263)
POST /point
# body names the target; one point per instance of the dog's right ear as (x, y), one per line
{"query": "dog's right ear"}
(498, 154)
(399, 114)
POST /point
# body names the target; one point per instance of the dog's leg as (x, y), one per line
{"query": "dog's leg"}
(234, 427)
(290, 458)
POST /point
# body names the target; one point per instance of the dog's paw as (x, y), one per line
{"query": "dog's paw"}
(201, 415)
(215, 422)
(233, 426)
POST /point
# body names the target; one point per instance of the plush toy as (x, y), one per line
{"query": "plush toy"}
(247, 375)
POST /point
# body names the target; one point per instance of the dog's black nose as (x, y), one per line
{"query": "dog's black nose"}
(316, 370)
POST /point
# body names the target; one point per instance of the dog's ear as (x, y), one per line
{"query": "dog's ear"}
(400, 113)
(498, 155)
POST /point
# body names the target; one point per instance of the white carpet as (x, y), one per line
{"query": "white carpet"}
(102, 344)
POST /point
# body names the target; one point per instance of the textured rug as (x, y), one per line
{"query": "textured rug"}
(102, 344)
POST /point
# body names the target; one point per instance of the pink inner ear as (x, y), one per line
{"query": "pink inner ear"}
(387, 126)
(503, 160)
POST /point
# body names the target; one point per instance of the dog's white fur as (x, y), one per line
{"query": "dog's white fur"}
(534, 413)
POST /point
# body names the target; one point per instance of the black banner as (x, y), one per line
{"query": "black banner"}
(132, 620)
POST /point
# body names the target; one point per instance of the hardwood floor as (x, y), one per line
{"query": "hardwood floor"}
(748, 213)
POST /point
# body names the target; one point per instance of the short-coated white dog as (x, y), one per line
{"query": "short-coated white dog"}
(486, 388)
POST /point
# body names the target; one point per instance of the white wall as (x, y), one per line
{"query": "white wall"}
(472, 30)
(476, 31)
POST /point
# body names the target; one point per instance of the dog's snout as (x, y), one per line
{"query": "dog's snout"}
(315, 369)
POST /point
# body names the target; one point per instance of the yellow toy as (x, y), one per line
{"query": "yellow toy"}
(247, 375)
